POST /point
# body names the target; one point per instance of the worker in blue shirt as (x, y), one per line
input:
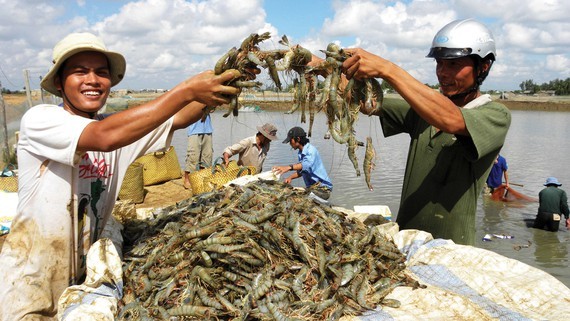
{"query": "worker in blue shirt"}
(200, 147)
(310, 165)
(498, 170)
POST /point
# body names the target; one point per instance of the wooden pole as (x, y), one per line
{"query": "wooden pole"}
(6, 153)
(28, 91)
(41, 91)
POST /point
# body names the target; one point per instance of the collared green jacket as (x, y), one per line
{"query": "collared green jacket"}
(445, 173)
(553, 200)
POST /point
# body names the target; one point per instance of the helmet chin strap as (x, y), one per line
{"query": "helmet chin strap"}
(462, 95)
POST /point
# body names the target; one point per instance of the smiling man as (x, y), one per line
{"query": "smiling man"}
(71, 165)
(455, 134)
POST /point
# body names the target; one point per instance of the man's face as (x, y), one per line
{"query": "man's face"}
(294, 144)
(86, 81)
(262, 140)
(455, 75)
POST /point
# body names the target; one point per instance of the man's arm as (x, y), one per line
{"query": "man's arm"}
(184, 102)
(292, 177)
(234, 149)
(286, 168)
(432, 106)
(226, 157)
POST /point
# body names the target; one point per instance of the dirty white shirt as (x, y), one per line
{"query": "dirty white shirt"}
(55, 185)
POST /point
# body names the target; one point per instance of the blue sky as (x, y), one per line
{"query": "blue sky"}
(166, 42)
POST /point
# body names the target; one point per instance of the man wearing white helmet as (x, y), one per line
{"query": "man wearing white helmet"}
(72, 163)
(455, 134)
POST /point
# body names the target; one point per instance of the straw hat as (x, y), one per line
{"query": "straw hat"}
(79, 42)
(268, 130)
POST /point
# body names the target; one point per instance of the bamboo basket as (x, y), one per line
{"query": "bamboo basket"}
(220, 178)
(8, 179)
(133, 184)
(197, 178)
(9, 184)
(160, 167)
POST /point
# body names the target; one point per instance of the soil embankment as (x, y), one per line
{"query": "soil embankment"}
(536, 105)
(517, 102)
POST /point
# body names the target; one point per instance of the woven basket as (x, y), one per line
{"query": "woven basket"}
(132, 188)
(9, 184)
(232, 165)
(159, 167)
(220, 178)
(8, 179)
(197, 178)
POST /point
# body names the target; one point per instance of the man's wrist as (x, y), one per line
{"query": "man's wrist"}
(291, 167)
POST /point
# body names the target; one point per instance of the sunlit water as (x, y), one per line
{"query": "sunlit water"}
(536, 147)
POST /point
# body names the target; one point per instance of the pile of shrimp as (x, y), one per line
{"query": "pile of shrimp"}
(263, 251)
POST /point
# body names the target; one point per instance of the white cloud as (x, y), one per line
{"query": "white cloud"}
(167, 41)
(179, 37)
(558, 63)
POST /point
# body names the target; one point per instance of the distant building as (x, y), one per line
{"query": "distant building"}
(121, 92)
(549, 92)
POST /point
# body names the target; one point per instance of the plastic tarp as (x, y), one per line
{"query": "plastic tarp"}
(9, 202)
(468, 283)
(97, 298)
(242, 180)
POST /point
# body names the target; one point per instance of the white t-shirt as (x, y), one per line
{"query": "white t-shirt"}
(57, 184)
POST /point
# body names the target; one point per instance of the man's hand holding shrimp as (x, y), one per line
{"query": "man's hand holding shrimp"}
(210, 89)
(362, 64)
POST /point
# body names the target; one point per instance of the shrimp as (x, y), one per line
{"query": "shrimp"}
(191, 310)
(352, 152)
(368, 163)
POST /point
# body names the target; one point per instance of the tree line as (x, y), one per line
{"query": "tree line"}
(559, 86)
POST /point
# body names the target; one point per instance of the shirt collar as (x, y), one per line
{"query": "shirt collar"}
(479, 101)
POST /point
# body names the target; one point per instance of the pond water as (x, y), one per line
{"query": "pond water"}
(536, 147)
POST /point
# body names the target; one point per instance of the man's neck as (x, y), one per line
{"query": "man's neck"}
(463, 100)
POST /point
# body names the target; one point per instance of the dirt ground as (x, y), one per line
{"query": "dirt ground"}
(165, 194)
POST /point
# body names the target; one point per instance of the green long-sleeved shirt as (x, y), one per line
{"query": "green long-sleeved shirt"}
(445, 173)
(553, 200)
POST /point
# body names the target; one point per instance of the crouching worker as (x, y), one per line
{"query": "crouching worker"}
(72, 164)
(252, 150)
(553, 206)
(310, 165)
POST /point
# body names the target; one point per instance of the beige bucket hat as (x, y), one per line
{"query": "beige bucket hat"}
(268, 130)
(78, 42)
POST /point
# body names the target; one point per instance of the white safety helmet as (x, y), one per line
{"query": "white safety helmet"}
(461, 38)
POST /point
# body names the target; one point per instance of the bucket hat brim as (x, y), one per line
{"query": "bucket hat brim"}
(552, 181)
(80, 42)
(265, 133)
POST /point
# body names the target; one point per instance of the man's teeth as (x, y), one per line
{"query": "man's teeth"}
(91, 93)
